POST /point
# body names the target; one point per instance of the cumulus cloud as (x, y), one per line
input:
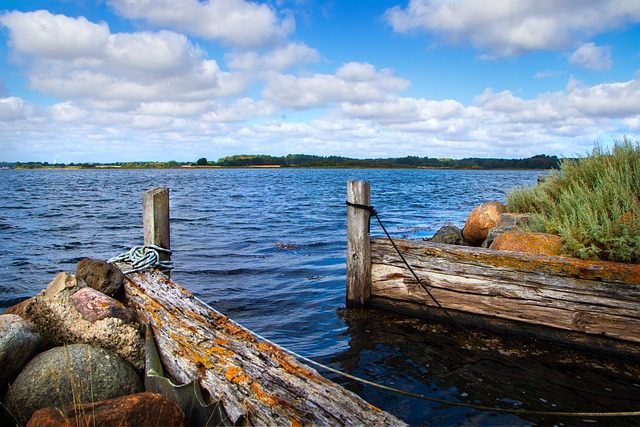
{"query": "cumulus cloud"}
(353, 82)
(54, 36)
(592, 57)
(236, 22)
(511, 27)
(14, 108)
(121, 67)
(275, 60)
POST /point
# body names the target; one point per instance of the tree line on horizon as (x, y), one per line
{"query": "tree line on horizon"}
(540, 161)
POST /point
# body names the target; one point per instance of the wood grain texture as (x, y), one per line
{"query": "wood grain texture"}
(358, 245)
(156, 219)
(250, 376)
(598, 298)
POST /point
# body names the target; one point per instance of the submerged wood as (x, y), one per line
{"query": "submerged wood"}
(600, 298)
(252, 378)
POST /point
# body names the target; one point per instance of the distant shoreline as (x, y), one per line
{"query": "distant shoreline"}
(111, 168)
(264, 161)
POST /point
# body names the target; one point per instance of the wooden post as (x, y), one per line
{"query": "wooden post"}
(358, 245)
(155, 218)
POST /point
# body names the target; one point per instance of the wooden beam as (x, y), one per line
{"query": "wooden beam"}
(251, 377)
(597, 298)
(358, 245)
(155, 218)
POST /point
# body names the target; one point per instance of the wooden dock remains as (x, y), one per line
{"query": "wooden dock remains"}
(254, 379)
(588, 300)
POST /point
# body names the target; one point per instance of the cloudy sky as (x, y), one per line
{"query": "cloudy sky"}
(117, 80)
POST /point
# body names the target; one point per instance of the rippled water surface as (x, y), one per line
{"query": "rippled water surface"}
(267, 247)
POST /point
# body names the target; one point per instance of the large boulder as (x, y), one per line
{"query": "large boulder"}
(94, 305)
(449, 234)
(536, 243)
(56, 317)
(100, 275)
(508, 222)
(141, 409)
(19, 341)
(482, 219)
(67, 375)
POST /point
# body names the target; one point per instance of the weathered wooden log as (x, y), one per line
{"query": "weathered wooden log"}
(251, 377)
(600, 298)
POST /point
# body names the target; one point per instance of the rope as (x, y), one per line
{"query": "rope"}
(444, 401)
(373, 212)
(143, 257)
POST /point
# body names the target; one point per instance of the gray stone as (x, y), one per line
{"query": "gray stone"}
(449, 234)
(72, 374)
(59, 322)
(19, 341)
(100, 275)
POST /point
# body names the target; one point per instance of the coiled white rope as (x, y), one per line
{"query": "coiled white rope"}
(143, 257)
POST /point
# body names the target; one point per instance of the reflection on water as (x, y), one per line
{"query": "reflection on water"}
(267, 247)
(442, 361)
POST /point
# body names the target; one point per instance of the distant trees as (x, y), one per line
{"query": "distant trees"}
(202, 161)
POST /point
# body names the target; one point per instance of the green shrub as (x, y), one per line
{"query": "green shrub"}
(592, 203)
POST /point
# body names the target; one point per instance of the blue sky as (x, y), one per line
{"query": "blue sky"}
(118, 80)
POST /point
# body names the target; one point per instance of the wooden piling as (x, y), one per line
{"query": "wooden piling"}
(358, 245)
(155, 218)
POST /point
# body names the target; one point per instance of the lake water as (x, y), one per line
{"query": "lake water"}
(267, 247)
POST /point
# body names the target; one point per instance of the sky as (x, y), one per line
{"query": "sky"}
(159, 80)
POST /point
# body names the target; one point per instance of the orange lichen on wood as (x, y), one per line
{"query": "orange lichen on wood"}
(295, 423)
(221, 351)
(220, 341)
(236, 375)
(264, 397)
(563, 266)
(288, 363)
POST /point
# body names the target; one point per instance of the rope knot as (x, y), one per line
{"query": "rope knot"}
(143, 257)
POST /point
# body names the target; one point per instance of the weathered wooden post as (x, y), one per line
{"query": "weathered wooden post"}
(358, 244)
(155, 218)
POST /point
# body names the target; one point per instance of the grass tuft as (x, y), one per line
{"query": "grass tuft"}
(592, 203)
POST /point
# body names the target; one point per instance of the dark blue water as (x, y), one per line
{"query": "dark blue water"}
(267, 247)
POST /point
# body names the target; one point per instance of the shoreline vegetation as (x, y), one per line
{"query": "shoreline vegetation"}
(592, 203)
(538, 162)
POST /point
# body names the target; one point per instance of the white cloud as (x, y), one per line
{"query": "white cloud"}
(54, 36)
(511, 27)
(67, 112)
(592, 57)
(353, 82)
(275, 60)
(237, 22)
(611, 100)
(121, 67)
(14, 108)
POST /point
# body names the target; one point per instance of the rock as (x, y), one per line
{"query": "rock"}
(100, 275)
(57, 319)
(94, 305)
(508, 222)
(18, 308)
(482, 219)
(537, 243)
(60, 283)
(141, 409)
(77, 373)
(19, 341)
(449, 234)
